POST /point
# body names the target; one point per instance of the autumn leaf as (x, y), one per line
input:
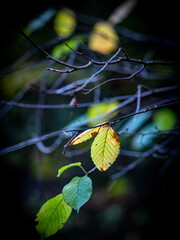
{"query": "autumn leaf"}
(105, 148)
(103, 38)
(84, 136)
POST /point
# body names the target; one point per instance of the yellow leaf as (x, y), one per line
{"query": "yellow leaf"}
(84, 136)
(105, 148)
(103, 38)
(101, 108)
(65, 22)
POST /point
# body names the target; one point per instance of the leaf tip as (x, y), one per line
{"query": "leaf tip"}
(101, 169)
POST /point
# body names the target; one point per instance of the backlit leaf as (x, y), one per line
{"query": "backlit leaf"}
(101, 108)
(52, 216)
(84, 136)
(165, 119)
(65, 22)
(105, 148)
(77, 192)
(61, 50)
(103, 38)
(61, 170)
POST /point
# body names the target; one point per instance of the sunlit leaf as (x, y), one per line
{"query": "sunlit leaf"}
(101, 108)
(103, 38)
(84, 136)
(165, 119)
(62, 50)
(61, 170)
(65, 22)
(52, 216)
(77, 192)
(105, 148)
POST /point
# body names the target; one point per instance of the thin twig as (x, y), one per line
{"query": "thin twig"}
(82, 105)
(56, 133)
(65, 146)
(117, 79)
(142, 158)
(95, 74)
(137, 110)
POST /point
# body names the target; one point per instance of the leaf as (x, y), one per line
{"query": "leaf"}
(52, 216)
(165, 119)
(62, 50)
(105, 148)
(65, 22)
(77, 192)
(84, 136)
(101, 108)
(61, 170)
(103, 38)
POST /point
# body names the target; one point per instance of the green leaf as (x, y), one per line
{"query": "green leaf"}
(61, 170)
(77, 192)
(165, 119)
(65, 22)
(52, 216)
(62, 50)
(102, 108)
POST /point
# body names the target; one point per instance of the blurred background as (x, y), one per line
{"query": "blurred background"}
(136, 204)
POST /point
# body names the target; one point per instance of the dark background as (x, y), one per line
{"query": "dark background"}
(152, 212)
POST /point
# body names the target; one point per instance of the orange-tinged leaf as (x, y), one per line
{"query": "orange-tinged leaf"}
(105, 148)
(84, 136)
(103, 38)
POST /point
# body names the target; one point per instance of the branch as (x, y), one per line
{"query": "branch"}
(34, 141)
(115, 79)
(91, 61)
(143, 156)
(130, 98)
(56, 133)
(95, 74)
(155, 107)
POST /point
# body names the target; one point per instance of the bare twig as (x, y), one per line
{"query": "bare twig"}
(34, 141)
(143, 156)
(95, 74)
(130, 99)
(65, 146)
(117, 79)
(56, 133)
